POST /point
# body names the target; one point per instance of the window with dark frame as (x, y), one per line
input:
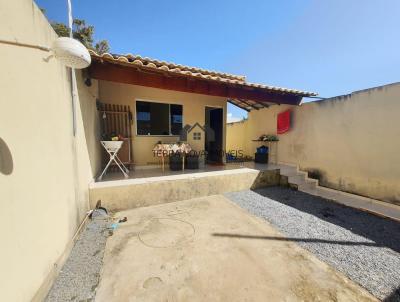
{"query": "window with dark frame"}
(196, 136)
(158, 118)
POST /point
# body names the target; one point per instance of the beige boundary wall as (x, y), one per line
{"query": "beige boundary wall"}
(236, 138)
(193, 112)
(350, 143)
(45, 197)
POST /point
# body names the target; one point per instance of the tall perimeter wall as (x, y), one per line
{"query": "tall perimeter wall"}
(350, 143)
(44, 169)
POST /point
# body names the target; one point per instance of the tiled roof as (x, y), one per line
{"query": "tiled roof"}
(147, 63)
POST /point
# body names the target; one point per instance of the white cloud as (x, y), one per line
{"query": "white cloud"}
(232, 119)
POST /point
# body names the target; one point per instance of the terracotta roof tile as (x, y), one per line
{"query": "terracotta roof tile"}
(190, 71)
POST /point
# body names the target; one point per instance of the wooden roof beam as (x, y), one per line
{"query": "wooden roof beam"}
(123, 74)
(240, 106)
(248, 104)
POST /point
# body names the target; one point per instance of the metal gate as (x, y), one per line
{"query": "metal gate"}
(117, 119)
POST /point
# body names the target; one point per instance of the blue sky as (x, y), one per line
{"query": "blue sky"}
(331, 47)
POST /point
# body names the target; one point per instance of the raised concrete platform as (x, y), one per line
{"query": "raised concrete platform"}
(140, 192)
(147, 187)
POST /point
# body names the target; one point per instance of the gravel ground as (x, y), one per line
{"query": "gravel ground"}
(80, 274)
(362, 246)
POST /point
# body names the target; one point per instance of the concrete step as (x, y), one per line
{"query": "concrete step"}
(297, 179)
(288, 171)
(308, 184)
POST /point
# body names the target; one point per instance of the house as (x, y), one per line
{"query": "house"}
(50, 152)
(163, 97)
(51, 145)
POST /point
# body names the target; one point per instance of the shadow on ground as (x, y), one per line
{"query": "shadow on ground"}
(384, 232)
(310, 240)
(365, 247)
(393, 297)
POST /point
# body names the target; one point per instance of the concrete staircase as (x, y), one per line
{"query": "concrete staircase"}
(299, 180)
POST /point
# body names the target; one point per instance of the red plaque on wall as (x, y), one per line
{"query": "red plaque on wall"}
(283, 122)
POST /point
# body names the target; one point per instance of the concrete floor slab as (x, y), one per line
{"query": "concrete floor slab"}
(183, 251)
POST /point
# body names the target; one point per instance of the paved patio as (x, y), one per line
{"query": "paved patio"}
(175, 252)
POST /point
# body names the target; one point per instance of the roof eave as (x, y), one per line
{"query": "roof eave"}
(236, 89)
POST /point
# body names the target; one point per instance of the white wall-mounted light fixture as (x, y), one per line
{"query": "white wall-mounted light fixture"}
(67, 50)
(71, 53)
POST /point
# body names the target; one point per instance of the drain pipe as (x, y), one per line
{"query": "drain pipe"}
(73, 76)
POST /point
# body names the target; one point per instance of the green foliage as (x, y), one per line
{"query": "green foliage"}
(102, 47)
(82, 32)
(61, 29)
(268, 138)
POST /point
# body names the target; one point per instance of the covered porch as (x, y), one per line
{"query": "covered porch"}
(147, 102)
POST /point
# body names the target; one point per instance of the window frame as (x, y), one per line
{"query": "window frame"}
(169, 118)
